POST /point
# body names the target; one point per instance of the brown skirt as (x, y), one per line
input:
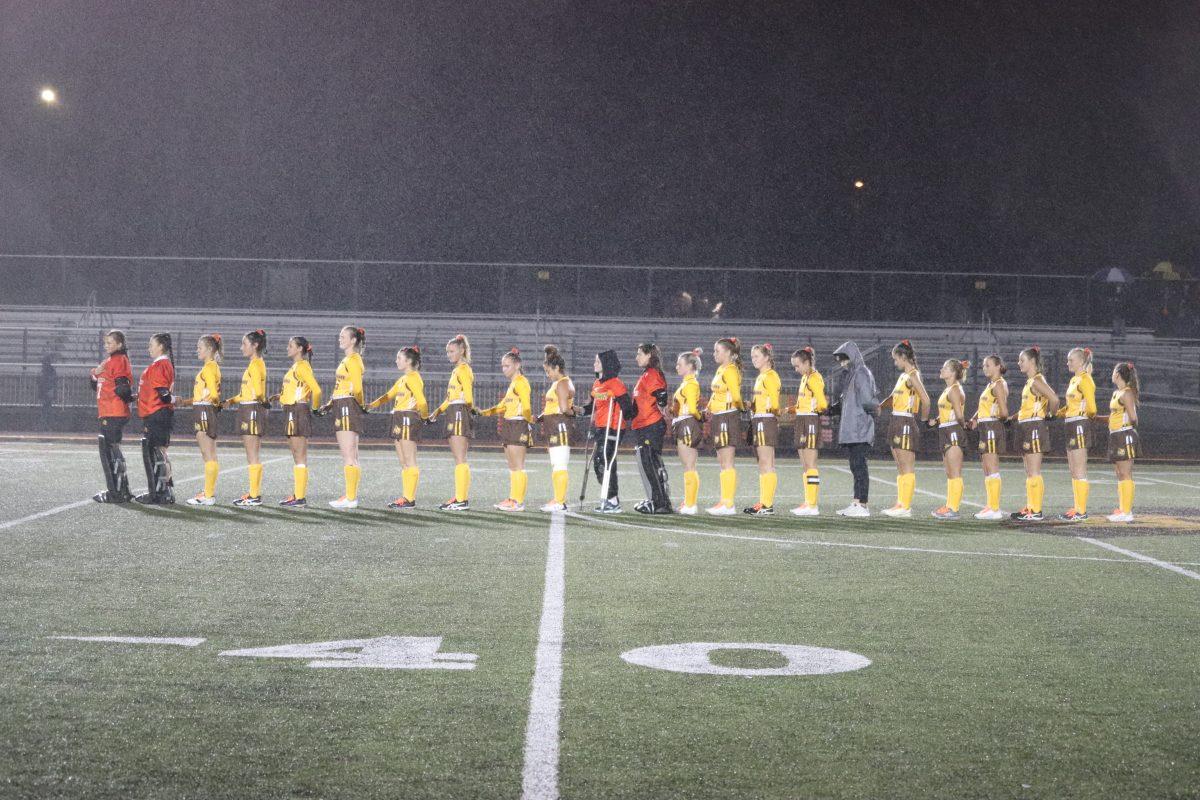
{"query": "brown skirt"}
(347, 415)
(726, 428)
(516, 432)
(1123, 445)
(406, 426)
(764, 431)
(251, 419)
(459, 421)
(206, 420)
(1035, 436)
(993, 437)
(297, 420)
(808, 432)
(904, 433)
(556, 429)
(688, 432)
(951, 436)
(1078, 433)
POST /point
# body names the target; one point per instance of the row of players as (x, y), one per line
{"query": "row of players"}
(648, 414)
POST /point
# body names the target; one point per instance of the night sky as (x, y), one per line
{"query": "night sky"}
(1055, 139)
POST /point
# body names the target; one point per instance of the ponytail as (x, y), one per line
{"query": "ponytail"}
(1085, 353)
(1128, 373)
(1034, 354)
(731, 344)
(460, 340)
(306, 350)
(958, 367)
(413, 354)
(805, 354)
(692, 358)
(258, 338)
(213, 342)
(904, 349)
(359, 335)
(999, 362)
(554, 358)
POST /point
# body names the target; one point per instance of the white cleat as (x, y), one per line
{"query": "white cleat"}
(343, 502)
(1120, 516)
(201, 500)
(989, 514)
(688, 511)
(806, 511)
(898, 511)
(552, 507)
(854, 510)
(721, 510)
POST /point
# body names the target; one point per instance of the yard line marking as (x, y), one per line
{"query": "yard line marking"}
(1141, 557)
(539, 780)
(183, 641)
(921, 491)
(853, 545)
(1171, 483)
(12, 523)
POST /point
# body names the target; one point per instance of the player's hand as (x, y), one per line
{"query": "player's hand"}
(272, 399)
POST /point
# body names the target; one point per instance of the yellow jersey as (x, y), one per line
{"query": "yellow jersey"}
(1033, 406)
(516, 402)
(206, 391)
(686, 400)
(945, 407)
(766, 393)
(1081, 398)
(811, 399)
(552, 406)
(461, 388)
(408, 392)
(989, 406)
(1118, 414)
(905, 400)
(254, 384)
(726, 389)
(300, 385)
(349, 378)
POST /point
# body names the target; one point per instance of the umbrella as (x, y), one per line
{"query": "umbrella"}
(1112, 275)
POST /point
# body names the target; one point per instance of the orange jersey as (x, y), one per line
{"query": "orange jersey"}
(159, 375)
(111, 370)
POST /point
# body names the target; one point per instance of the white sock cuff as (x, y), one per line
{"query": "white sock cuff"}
(993, 476)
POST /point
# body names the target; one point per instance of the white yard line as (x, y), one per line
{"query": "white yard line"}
(919, 491)
(603, 520)
(1141, 478)
(1141, 557)
(539, 780)
(12, 523)
(182, 641)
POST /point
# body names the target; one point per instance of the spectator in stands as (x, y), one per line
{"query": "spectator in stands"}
(857, 401)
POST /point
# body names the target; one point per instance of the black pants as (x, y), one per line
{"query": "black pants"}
(605, 450)
(858, 452)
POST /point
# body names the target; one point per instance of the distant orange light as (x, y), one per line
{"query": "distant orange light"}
(48, 95)
(859, 184)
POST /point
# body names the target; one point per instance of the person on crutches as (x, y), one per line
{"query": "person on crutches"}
(611, 409)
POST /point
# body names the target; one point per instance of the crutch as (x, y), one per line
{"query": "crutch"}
(616, 439)
(587, 459)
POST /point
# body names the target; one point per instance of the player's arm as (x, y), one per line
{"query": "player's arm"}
(735, 388)
(564, 398)
(1041, 388)
(958, 400)
(387, 396)
(524, 395)
(918, 386)
(1129, 400)
(1089, 397)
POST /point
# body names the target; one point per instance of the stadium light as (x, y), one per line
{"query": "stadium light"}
(48, 95)
(859, 184)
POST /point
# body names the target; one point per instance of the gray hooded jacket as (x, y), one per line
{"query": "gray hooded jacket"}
(858, 397)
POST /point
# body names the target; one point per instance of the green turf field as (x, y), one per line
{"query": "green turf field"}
(1005, 661)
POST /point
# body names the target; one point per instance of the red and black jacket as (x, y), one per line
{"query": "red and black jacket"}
(113, 382)
(154, 387)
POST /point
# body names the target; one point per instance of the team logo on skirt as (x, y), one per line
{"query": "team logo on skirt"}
(396, 430)
(1027, 445)
(895, 440)
(245, 426)
(1120, 451)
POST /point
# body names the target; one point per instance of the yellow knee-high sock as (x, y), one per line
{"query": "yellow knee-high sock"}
(812, 487)
(728, 486)
(519, 482)
(954, 490)
(300, 477)
(1035, 489)
(559, 479)
(991, 483)
(906, 485)
(767, 482)
(1080, 488)
(256, 480)
(1125, 495)
(211, 468)
(462, 481)
(408, 482)
(353, 474)
(691, 488)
